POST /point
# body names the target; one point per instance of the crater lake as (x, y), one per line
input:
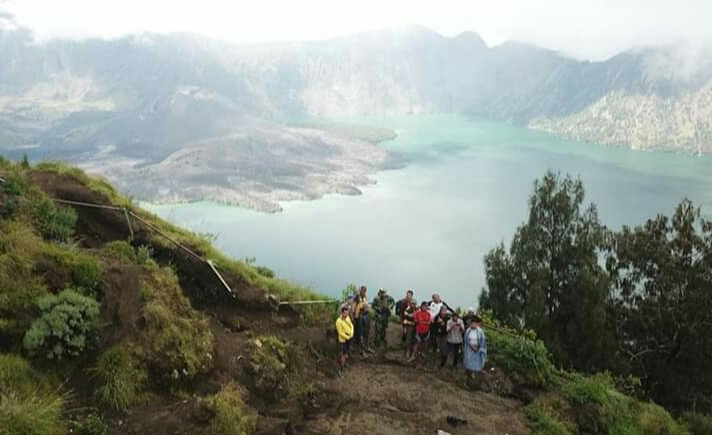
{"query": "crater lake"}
(427, 226)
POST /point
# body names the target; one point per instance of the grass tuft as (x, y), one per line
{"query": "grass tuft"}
(177, 344)
(29, 402)
(232, 415)
(120, 380)
(544, 420)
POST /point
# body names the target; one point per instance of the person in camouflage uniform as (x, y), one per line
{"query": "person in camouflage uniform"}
(382, 305)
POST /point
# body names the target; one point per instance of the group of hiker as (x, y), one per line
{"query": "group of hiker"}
(433, 326)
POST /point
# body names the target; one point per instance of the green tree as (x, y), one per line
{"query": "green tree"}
(662, 282)
(25, 162)
(551, 280)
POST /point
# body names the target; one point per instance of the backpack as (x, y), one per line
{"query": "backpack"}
(400, 307)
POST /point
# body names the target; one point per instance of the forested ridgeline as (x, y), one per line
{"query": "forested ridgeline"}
(636, 302)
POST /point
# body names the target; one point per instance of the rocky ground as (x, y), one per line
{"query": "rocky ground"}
(383, 395)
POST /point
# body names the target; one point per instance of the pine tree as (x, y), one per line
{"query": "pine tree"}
(551, 280)
(662, 284)
(25, 162)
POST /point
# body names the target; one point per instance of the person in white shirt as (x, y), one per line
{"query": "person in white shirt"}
(455, 330)
(435, 306)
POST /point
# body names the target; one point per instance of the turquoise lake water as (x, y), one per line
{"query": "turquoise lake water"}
(428, 226)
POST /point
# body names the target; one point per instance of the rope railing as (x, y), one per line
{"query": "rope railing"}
(130, 214)
(323, 301)
(87, 204)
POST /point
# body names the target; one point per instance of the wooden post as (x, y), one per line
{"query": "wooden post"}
(128, 222)
(222, 280)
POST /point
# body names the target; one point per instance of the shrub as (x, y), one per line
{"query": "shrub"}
(5, 163)
(54, 222)
(544, 420)
(698, 424)
(19, 285)
(144, 256)
(599, 408)
(34, 414)
(25, 162)
(521, 357)
(29, 403)
(66, 266)
(265, 271)
(268, 364)
(67, 325)
(120, 380)
(121, 250)
(232, 415)
(87, 272)
(597, 389)
(90, 424)
(19, 289)
(10, 193)
(17, 374)
(176, 343)
(654, 420)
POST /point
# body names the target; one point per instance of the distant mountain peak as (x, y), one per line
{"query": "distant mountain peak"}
(471, 38)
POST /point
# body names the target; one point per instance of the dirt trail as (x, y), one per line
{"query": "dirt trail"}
(387, 400)
(385, 396)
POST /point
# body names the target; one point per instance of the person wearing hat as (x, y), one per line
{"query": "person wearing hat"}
(382, 305)
(467, 318)
(475, 348)
(349, 303)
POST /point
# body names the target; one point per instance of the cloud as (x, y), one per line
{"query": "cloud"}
(7, 20)
(685, 62)
(582, 28)
(4, 12)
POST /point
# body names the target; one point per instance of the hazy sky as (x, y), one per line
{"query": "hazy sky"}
(583, 28)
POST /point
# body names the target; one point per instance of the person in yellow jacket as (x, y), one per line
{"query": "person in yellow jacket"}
(344, 334)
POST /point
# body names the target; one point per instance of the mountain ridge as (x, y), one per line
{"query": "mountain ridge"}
(152, 95)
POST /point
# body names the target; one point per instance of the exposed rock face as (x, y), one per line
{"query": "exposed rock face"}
(681, 123)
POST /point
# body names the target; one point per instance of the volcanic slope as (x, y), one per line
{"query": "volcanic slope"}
(174, 352)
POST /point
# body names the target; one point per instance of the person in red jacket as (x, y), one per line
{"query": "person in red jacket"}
(422, 328)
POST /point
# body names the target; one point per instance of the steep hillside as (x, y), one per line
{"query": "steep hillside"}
(642, 121)
(103, 332)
